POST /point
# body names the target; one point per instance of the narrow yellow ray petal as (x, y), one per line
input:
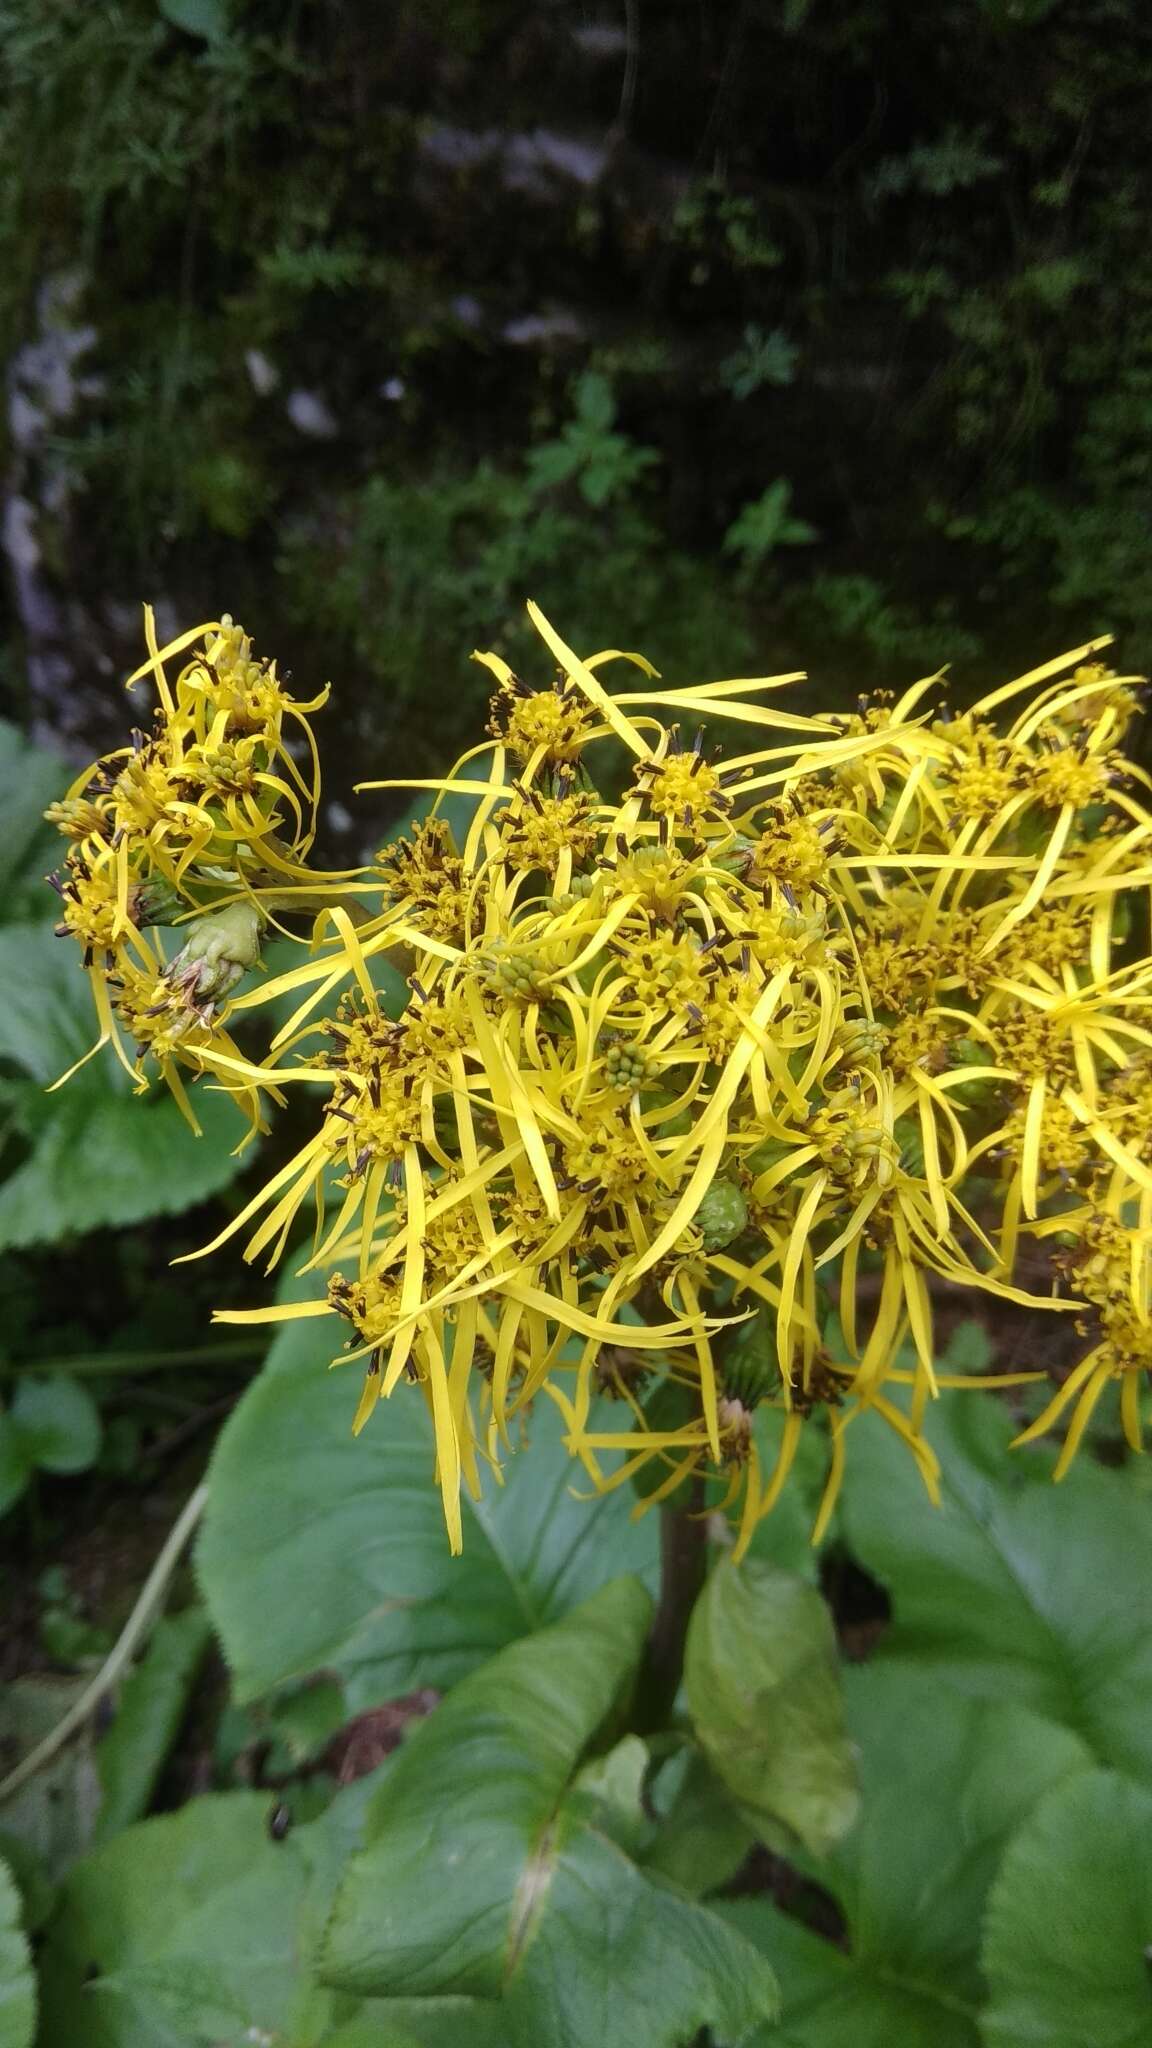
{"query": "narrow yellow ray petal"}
(583, 676)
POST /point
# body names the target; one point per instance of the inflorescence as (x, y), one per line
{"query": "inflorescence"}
(701, 1088)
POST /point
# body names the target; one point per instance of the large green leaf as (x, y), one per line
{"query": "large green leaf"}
(17, 1984)
(198, 1927)
(47, 1019)
(97, 1153)
(944, 1781)
(1069, 1928)
(763, 1683)
(489, 1870)
(326, 1551)
(198, 1930)
(1013, 1588)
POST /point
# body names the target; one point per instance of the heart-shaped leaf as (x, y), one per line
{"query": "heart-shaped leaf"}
(1013, 1588)
(945, 1779)
(326, 1551)
(1069, 1927)
(489, 1870)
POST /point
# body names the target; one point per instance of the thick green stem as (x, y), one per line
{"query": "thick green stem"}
(683, 1570)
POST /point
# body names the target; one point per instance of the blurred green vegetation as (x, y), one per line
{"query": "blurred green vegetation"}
(774, 334)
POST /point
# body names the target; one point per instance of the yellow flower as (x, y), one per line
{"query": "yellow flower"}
(188, 822)
(843, 1016)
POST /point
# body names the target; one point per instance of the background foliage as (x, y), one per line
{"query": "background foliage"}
(786, 328)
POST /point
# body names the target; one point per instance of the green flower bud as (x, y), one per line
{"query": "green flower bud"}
(514, 973)
(579, 890)
(216, 954)
(722, 1215)
(626, 1066)
(860, 1039)
(78, 818)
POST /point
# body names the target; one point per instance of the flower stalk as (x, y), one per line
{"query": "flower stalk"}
(683, 1570)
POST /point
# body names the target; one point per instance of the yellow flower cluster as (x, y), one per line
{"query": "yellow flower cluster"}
(836, 1020)
(201, 822)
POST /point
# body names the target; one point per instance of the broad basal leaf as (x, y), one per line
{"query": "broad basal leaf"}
(1013, 1588)
(944, 1781)
(763, 1683)
(1069, 1927)
(326, 1551)
(489, 1870)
